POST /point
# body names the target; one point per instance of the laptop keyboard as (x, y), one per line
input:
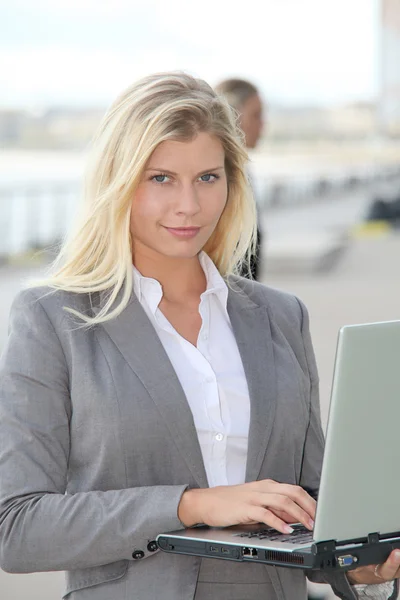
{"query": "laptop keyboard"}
(300, 535)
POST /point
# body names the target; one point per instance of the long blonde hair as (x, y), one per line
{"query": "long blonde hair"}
(97, 255)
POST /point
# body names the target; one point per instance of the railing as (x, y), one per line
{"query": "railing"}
(35, 215)
(279, 192)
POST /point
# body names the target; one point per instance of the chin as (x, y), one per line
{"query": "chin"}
(186, 254)
(181, 248)
(174, 250)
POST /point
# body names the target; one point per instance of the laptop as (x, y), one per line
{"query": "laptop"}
(358, 518)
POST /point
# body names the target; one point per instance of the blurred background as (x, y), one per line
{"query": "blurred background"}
(326, 171)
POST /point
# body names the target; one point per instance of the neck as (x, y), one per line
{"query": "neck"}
(182, 279)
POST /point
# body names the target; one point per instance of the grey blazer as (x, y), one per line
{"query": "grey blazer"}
(98, 441)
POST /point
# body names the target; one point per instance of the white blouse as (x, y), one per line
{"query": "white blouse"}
(211, 374)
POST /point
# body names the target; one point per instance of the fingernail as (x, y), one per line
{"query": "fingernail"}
(288, 529)
(397, 554)
(311, 522)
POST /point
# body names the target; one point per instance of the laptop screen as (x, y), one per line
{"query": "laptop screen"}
(360, 483)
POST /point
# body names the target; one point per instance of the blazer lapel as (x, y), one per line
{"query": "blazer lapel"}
(251, 326)
(138, 342)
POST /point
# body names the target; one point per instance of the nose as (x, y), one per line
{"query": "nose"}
(187, 201)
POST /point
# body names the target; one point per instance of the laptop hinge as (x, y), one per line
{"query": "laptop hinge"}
(373, 538)
(327, 546)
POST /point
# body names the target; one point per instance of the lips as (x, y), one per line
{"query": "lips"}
(183, 232)
(183, 228)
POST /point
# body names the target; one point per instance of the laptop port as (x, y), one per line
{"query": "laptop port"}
(250, 552)
(346, 560)
(225, 551)
(214, 549)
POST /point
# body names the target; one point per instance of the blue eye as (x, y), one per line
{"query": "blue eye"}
(159, 178)
(208, 178)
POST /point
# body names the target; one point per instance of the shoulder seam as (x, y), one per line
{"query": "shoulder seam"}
(38, 300)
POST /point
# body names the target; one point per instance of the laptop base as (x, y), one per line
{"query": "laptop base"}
(325, 556)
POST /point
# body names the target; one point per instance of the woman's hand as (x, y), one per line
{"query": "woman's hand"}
(387, 571)
(269, 502)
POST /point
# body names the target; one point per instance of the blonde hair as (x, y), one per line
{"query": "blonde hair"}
(97, 255)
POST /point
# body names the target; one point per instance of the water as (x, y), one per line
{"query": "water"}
(39, 193)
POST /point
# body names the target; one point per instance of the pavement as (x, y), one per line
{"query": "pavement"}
(361, 285)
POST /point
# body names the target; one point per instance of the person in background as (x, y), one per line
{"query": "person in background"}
(245, 98)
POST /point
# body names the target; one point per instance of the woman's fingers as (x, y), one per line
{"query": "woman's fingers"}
(288, 506)
(298, 495)
(294, 492)
(283, 515)
(263, 515)
(390, 569)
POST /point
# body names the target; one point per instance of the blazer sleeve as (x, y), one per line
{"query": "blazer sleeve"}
(42, 528)
(313, 454)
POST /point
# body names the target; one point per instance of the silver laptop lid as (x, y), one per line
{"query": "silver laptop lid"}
(360, 482)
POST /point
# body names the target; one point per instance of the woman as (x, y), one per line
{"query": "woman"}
(245, 98)
(127, 380)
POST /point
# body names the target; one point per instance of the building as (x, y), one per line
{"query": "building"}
(389, 102)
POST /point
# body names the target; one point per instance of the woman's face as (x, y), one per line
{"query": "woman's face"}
(180, 199)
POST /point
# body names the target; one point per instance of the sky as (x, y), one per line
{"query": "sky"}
(85, 52)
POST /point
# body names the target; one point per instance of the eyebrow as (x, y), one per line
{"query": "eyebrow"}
(168, 172)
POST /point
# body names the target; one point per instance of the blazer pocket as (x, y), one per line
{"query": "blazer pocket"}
(84, 578)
